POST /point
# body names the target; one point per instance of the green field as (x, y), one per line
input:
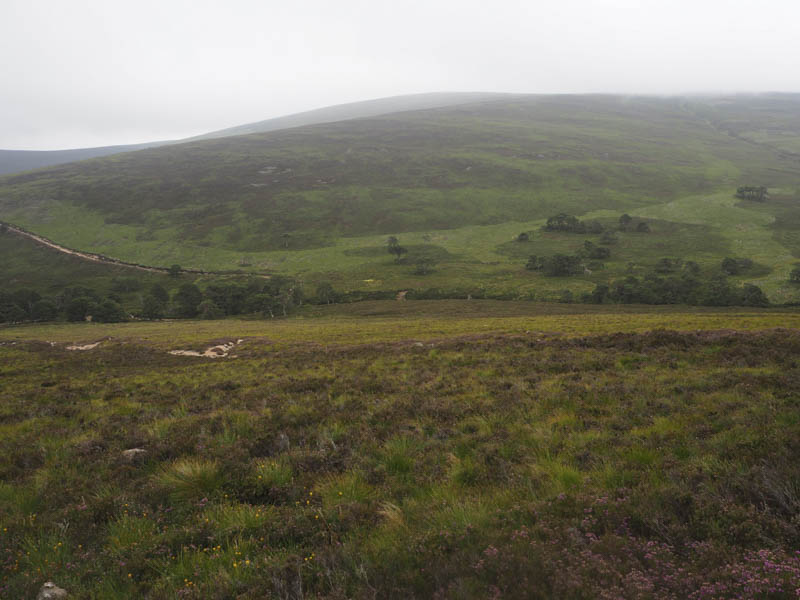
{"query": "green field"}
(451, 449)
(455, 183)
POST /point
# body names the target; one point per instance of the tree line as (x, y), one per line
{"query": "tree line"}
(273, 297)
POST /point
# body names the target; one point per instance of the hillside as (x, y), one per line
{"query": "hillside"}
(13, 161)
(456, 184)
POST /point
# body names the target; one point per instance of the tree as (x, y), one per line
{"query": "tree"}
(560, 265)
(44, 310)
(209, 310)
(398, 252)
(608, 238)
(752, 295)
(667, 265)
(288, 297)
(730, 266)
(175, 271)
(794, 276)
(79, 308)
(599, 294)
(748, 192)
(187, 299)
(392, 241)
(624, 221)
(642, 227)
(264, 303)
(25, 299)
(594, 251)
(325, 293)
(523, 237)
(424, 265)
(11, 313)
(735, 266)
(691, 268)
(153, 307)
(534, 263)
(565, 222)
(158, 292)
(109, 311)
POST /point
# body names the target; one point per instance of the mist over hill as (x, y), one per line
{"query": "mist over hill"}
(13, 161)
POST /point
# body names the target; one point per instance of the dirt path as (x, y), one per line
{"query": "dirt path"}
(99, 258)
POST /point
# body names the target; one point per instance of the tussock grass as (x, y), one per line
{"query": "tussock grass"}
(191, 479)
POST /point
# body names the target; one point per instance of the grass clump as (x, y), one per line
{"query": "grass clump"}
(191, 479)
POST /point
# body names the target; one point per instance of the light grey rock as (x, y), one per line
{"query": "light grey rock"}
(50, 591)
(283, 442)
(133, 454)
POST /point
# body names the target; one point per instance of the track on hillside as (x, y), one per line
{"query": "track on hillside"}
(6, 227)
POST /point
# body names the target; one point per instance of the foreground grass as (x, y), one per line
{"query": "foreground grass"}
(399, 450)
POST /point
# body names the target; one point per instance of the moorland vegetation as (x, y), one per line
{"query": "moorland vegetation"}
(334, 456)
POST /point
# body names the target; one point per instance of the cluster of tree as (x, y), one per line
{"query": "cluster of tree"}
(570, 224)
(749, 192)
(73, 304)
(666, 266)
(422, 265)
(557, 265)
(681, 287)
(736, 266)
(271, 297)
(562, 265)
(627, 223)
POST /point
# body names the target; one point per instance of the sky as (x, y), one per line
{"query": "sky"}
(81, 73)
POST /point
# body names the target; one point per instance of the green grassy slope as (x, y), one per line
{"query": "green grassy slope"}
(349, 455)
(455, 182)
(27, 265)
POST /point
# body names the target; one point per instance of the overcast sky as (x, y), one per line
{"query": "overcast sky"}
(76, 73)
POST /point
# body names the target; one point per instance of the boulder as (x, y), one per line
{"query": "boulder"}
(133, 454)
(50, 591)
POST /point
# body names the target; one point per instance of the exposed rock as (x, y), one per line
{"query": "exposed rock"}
(282, 443)
(50, 591)
(84, 347)
(134, 454)
(219, 351)
(401, 296)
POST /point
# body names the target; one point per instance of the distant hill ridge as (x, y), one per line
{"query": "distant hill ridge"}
(14, 161)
